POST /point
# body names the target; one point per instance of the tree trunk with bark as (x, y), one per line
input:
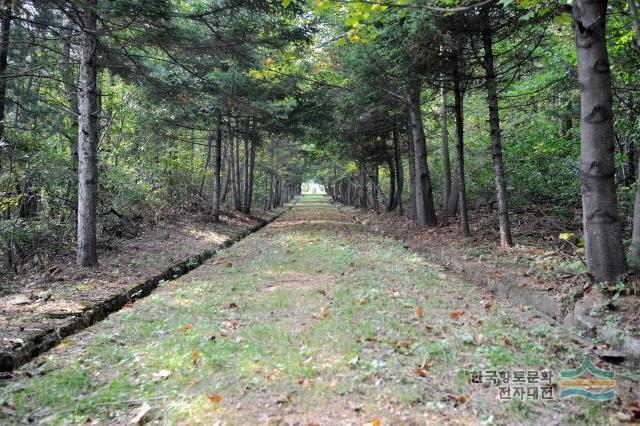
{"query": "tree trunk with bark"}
(397, 158)
(244, 205)
(425, 209)
(444, 139)
(252, 159)
(603, 238)
(217, 170)
(362, 173)
(462, 193)
(88, 139)
(412, 169)
(5, 36)
(392, 202)
(375, 177)
(496, 139)
(235, 172)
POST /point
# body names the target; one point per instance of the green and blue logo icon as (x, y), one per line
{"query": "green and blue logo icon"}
(588, 381)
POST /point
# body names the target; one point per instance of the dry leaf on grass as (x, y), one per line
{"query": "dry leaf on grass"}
(456, 314)
(196, 356)
(460, 399)
(215, 398)
(419, 312)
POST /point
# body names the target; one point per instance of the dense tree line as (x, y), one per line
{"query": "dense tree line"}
(549, 79)
(113, 107)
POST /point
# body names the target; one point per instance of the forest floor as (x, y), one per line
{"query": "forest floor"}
(46, 303)
(314, 320)
(549, 272)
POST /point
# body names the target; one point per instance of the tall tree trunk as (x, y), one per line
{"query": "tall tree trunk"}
(496, 139)
(454, 197)
(88, 139)
(5, 36)
(425, 209)
(252, 161)
(235, 172)
(392, 202)
(374, 189)
(227, 174)
(246, 182)
(446, 162)
(603, 239)
(462, 193)
(363, 186)
(397, 158)
(271, 190)
(217, 170)
(412, 168)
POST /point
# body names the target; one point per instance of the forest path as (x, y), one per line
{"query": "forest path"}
(312, 320)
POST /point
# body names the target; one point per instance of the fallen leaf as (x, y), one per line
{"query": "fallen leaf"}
(456, 314)
(374, 422)
(404, 343)
(428, 327)
(196, 356)
(460, 398)
(420, 372)
(228, 264)
(215, 398)
(488, 305)
(185, 328)
(419, 312)
(233, 305)
(139, 413)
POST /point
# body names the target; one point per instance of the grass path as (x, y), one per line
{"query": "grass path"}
(310, 321)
